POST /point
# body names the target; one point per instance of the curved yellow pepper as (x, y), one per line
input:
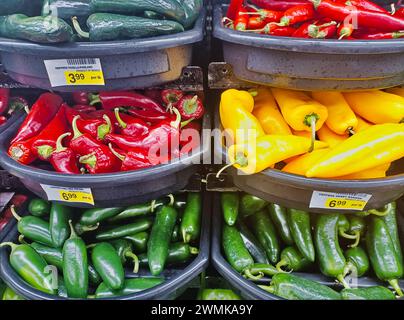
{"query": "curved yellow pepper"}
(264, 97)
(374, 146)
(326, 135)
(271, 120)
(373, 173)
(397, 90)
(362, 124)
(341, 119)
(268, 150)
(302, 163)
(377, 106)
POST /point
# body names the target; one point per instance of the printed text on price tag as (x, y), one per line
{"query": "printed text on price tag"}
(69, 195)
(340, 201)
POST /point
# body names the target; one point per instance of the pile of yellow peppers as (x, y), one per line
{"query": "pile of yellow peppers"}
(325, 134)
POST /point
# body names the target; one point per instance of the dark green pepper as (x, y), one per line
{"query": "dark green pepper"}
(252, 244)
(53, 256)
(107, 26)
(330, 256)
(177, 254)
(59, 224)
(218, 294)
(108, 265)
(138, 210)
(142, 224)
(91, 217)
(250, 204)
(75, 266)
(93, 275)
(153, 15)
(39, 207)
(235, 251)
(30, 266)
(139, 241)
(357, 228)
(10, 294)
(160, 238)
(291, 287)
(279, 217)
(343, 227)
(191, 220)
(65, 9)
(357, 261)
(369, 293)
(130, 286)
(192, 10)
(124, 249)
(230, 203)
(81, 229)
(300, 227)
(385, 261)
(292, 259)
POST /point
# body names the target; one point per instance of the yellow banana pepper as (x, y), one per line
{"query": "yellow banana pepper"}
(373, 173)
(326, 135)
(397, 90)
(377, 106)
(305, 134)
(362, 124)
(302, 163)
(236, 117)
(374, 146)
(268, 150)
(271, 120)
(341, 119)
(264, 97)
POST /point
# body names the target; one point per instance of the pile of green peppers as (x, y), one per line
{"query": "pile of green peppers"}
(76, 253)
(264, 239)
(60, 21)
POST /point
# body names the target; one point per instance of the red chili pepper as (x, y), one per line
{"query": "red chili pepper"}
(255, 22)
(132, 126)
(379, 35)
(42, 112)
(276, 30)
(303, 30)
(298, 14)
(63, 159)
(17, 201)
(368, 19)
(132, 160)
(363, 4)
(17, 104)
(154, 94)
(81, 97)
(279, 5)
(4, 98)
(191, 107)
(84, 108)
(21, 151)
(3, 120)
(241, 20)
(96, 127)
(326, 30)
(150, 116)
(45, 143)
(399, 13)
(234, 8)
(171, 96)
(345, 30)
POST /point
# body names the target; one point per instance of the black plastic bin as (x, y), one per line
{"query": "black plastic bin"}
(311, 64)
(248, 289)
(115, 189)
(177, 279)
(295, 191)
(128, 64)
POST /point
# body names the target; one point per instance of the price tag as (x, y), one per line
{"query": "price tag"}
(75, 72)
(69, 195)
(340, 201)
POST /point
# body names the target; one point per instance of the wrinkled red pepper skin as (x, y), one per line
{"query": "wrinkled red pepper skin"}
(4, 98)
(133, 160)
(17, 200)
(128, 99)
(63, 159)
(105, 161)
(21, 151)
(130, 126)
(278, 5)
(42, 112)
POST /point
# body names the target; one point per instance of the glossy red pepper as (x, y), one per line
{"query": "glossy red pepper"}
(63, 159)
(259, 18)
(150, 116)
(234, 8)
(3, 120)
(241, 20)
(4, 98)
(399, 13)
(366, 19)
(345, 30)
(326, 30)
(132, 126)
(298, 14)
(42, 112)
(191, 107)
(276, 30)
(45, 143)
(134, 159)
(279, 5)
(84, 108)
(81, 97)
(17, 201)
(97, 128)
(379, 35)
(255, 22)
(304, 30)
(171, 96)
(363, 4)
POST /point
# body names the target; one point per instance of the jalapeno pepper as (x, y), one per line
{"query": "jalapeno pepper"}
(258, 270)
(59, 224)
(177, 253)
(250, 204)
(191, 220)
(252, 244)
(93, 275)
(300, 227)
(292, 259)
(124, 249)
(357, 228)
(91, 217)
(218, 294)
(39, 207)
(279, 217)
(230, 207)
(369, 293)
(142, 224)
(53, 256)
(139, 241)
(357, 261)
(130, 286)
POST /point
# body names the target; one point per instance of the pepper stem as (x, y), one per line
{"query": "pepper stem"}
(341, 279)
(135, 261)
(121, 123)
(115, 153)
(186, 122)
(77, 27)
(26, 109)
(21, 239)
(10, 244)
(104, 129)
(186, 236)
(193, 250)
(14, 213)
(177, 122)
(171, 199)
(241, 160)
(76, 131)
(346, 235)
(281, 264)
(73, 233)
(89, 159)
(95, 98)
(396, 287)
(351, 131)
(249, 275)
(357, 240)
(59, 145)
(310, 121)
(269, 289)
(91, 228)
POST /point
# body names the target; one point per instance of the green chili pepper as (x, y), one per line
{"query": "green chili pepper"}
(160, 238)
(142, 224)
(291, 287)
(369, 293)
(53, 256)
(250, 204)
(218, 294)
(39, 207)
(130, 286)
(30, 266)
(230, 204)
(357, 261)
(91, 217)
(81, 229)
(344, 226)
(252, 244)
(192, 9)
(235, 251)
(10, 294)
(265, 232)
(258, 270)
(191, 220)
(139, 241)
(108, 265)
(279, 217)
(330, 256)
(138, 210)
(178, 253)
(357, 228)
(75, 265)
(293, 260)
(385, 261)
(33, 228)
(93, 275)
(59, 224)
(300, 227)
(124, 249)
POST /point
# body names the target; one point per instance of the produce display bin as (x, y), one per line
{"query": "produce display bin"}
(115, 189)
(295, 191)
(128, 64)
(178, 279)
(248, 289)
(310, 64)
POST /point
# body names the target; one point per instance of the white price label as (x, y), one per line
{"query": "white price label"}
(69, 195)
(340, 201)
(75, 72)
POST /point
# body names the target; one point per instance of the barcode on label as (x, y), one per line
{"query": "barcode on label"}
(81, 61)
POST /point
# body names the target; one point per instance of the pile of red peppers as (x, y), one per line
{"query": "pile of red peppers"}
(9, 104)
(109, 131)
(316, 19)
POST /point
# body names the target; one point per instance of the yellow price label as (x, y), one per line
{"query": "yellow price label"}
(80, 78)
(338, 203)
(76, 196)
